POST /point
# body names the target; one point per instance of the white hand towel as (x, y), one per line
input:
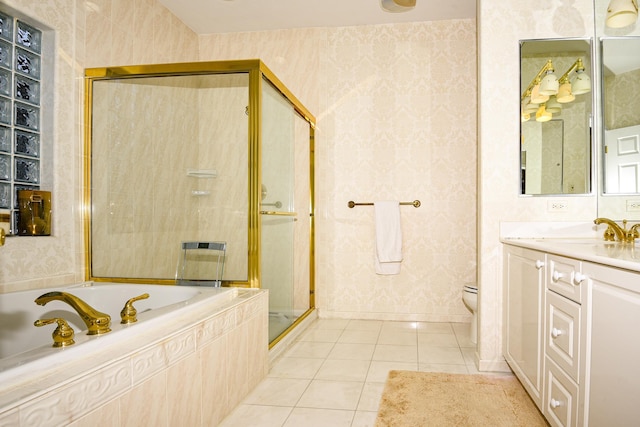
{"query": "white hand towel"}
(388, 237)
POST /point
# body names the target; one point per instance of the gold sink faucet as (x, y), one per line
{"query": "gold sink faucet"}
(615, 232)
(97, 322)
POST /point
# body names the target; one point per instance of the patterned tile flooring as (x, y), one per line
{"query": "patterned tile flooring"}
(334, 373)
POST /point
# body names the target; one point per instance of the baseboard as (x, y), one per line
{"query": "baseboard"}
(496, 365)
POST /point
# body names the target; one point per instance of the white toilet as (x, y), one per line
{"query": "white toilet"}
(470, 299)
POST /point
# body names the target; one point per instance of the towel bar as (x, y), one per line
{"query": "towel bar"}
(415, 203)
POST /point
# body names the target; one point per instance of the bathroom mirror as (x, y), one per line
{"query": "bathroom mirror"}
(556, 106)
(620, 148)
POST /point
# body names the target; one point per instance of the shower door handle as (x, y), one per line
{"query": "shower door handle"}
(278, 213)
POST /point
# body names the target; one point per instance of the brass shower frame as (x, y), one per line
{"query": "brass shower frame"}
(258, 72)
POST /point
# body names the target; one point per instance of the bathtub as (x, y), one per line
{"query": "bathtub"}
(28, 357)
(18, 311)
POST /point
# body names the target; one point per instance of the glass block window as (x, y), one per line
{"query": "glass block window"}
(20, 110)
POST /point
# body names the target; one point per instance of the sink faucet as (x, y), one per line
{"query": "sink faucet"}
(97, 322)
(633, 233)
(615, 232)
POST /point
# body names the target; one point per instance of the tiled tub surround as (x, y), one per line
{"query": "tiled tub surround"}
(189, 368)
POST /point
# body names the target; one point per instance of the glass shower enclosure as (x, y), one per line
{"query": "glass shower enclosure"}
(201, 152)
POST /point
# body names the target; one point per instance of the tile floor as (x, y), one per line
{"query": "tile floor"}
(334, 373)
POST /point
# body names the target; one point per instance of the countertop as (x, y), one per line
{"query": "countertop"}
(597, 250)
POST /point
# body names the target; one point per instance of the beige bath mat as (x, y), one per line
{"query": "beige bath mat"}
(421, 399)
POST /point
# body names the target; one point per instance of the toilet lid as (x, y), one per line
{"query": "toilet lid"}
(472, 289)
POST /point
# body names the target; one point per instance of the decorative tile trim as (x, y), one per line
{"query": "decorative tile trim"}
(60, 405)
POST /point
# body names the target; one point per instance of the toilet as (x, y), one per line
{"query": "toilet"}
(470, 299)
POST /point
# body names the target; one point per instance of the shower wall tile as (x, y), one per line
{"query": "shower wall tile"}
(37, 262)
(88, 34)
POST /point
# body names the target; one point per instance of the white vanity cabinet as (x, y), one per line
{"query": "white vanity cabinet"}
(614, 352)
(564, 341)
(572, 334)
(524, 304)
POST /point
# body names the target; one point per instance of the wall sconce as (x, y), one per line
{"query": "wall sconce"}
(397, 5)
(621, 13)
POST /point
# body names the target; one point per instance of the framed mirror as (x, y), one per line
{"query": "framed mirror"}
(620, 145)
(556, 106)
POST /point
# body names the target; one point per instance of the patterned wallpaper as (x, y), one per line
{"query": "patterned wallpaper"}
(622, 103)
(396, 121)
(501, 25)
(396, 108)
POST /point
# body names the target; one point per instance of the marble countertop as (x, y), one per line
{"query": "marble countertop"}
(578, 240)
(626, 256)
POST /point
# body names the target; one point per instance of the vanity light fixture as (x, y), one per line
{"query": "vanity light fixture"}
(581, 83)
(536, 96)
(549, 84)
(546, 88)
(542, 115)
(529, 107)
(397, 5)
(564, 93)
(552, 106)
(621, 13)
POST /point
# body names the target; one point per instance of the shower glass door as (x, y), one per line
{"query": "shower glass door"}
(284, 210)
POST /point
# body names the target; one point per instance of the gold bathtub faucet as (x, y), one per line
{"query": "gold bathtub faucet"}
(96, 321)
(129, 314)
(615, 232)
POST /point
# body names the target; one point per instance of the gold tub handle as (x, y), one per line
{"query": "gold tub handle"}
(129, 312)
(62, 335)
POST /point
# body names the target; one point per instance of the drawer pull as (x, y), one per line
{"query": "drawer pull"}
(554, 403)
(579, 278)
(556, 276)
(555, 333)
(539, 264)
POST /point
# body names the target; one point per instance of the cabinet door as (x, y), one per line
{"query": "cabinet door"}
(524, 281)
(614, 367)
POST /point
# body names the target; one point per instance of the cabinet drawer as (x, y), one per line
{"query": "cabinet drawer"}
(560, 405)
(562, 341)
(564, 276)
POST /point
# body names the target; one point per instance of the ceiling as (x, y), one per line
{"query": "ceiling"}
(226, 16)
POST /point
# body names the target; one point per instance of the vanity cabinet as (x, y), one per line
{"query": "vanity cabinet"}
(524, 303)
(581, 362)
(614, 353)
(564, 341)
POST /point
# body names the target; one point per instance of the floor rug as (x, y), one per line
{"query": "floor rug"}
(421, 399)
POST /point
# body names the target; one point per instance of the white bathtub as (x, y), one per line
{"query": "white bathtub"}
(25, 348)
(18, 310)
(179, 328)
